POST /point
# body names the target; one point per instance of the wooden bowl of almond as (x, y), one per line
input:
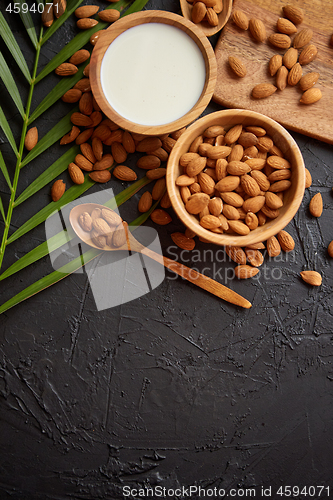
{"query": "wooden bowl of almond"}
(235, 177)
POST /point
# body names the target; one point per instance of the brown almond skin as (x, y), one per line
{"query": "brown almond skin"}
(309, 80)
(100, 176)
(330, 249)
(79, 57)
(311, 96)
(293, 13)
(109, 15)
(240, 19)
(86, 11)
(263, 90)
(273, 247)
(145, 202)
(257, 29)
(311, 277)
(124, 173)
(182, 241)
(274, 64)
(236, 254)
(75, 173)
(302, 38)
(237, 66)
(198, 12)
(71, 96)
(280, 40)
(286, 26)
(66, 69)
(308, 54)
(160, 217)
(295, 74)
(58, 189)
(316, 205)
(286, 241)
(71, 136)
(86, 23)
(245, 271)
(290, 58)
(281, 78)
(31, 138)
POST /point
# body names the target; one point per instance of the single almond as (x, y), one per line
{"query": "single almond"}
(228, 184)
(85, 221)
(236, 254)
(238, 167)
(215, 206)
(244, 271)
(98, 239)
(330, 249)
(31, 138)
(197, 202)
(59, 7)
(311, 277)
(271, 213)
(309, 80)
(257, 29)
(66, 69)
(80, 120)
(237, 153)
(97, 147)
(286, 241)
(118, 236)
(75, 173)
(149, 144)
(86, 11)
(256, 163)
(251, 220)
(156, 173)
(285, 26)
(311, 96)
(195, 166)
(72, 95)
(240, 19)
(79, 57)
(295, 74)
(207, 183)
(71, 136)
(293, 13)
(118, 152)
(145, 202)
(148, 162)
(100, 176)
(111, 217)
(275, 63)
(213, 131)
(239, 227)
(254, 257)
(184, 180)
(279, 186)
(237, 66)
(106, 162)
(83, 85)
(82, 162)
(48, 16)
(124, 173)
(212, 17)
(281, 78)
(182, 241)
(58, 189)
(265, 144)
(254, 204)
(280, 40)
(261, 179)
(263, 90)
(250, 185)
(198, 12)
(308, 54)
(232, 198)
(273, 247)
(308, 178)
(277, 162)
(209, 221)
(273, 201)
(109, 15)
(160, 217)
(158, 189)
(87, 151)
(86, 104)
(95, 36)
(316, 205)
(302, 38)
(86, 23)
(230, 212)
(233, 134)
(290, 58)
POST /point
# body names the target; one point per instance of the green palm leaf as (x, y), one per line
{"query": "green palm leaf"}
(48, 175)
(64, 271)
(49, 280)
(4, 171)
(57, 92)
(77, 43)
(13, 47)
(61, 238)
(58, 131)
(71, 6)
(10, 84)
(7, 131)
(29, 25)
(2, 210)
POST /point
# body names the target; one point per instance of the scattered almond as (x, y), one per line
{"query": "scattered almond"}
(124, 173)
(280, 40)
(58, 189)
(311, 277)
(257, 29)
(293, 13)
(237, 66)
(274, 64)
(86, 11)
(101, 176)
(75, 173)
(86, 23)
(308, 54)
(263, 90)
(285, 26)
(302, 38)
(316, 205)
(309, 80)
(311, 96)
(160, 217)
(31, 138)
(245, 271)
(240, 19)
(109, 15)
(286, 241)
(79, 57)
(182, 241)
(145, 202)
(66, 69)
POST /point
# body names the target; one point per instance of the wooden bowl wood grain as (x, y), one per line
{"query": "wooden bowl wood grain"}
(153, 16)
(227, 118)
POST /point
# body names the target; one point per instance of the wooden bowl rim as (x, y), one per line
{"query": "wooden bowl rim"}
(262, 233)
(144, 17)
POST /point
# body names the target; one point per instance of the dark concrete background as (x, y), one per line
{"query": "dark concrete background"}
(176, 388)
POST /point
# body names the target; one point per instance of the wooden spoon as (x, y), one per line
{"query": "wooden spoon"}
(205, 26)
(121, 239)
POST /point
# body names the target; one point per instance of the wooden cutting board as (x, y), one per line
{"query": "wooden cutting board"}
(315, 120)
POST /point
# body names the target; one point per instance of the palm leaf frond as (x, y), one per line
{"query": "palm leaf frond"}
(10, 84)
(12, 45)
(7, 131)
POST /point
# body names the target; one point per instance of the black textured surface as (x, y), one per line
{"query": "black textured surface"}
(176, 388)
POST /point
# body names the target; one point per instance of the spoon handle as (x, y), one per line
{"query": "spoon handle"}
(199, 279)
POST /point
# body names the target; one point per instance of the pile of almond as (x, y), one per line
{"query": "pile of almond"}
(206, 11)
(234, 180)
(105, 227)
(287, 68)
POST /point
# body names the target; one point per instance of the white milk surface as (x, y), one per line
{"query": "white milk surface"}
(153, 74)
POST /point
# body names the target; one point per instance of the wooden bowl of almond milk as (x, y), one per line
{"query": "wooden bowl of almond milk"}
(153, 72)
